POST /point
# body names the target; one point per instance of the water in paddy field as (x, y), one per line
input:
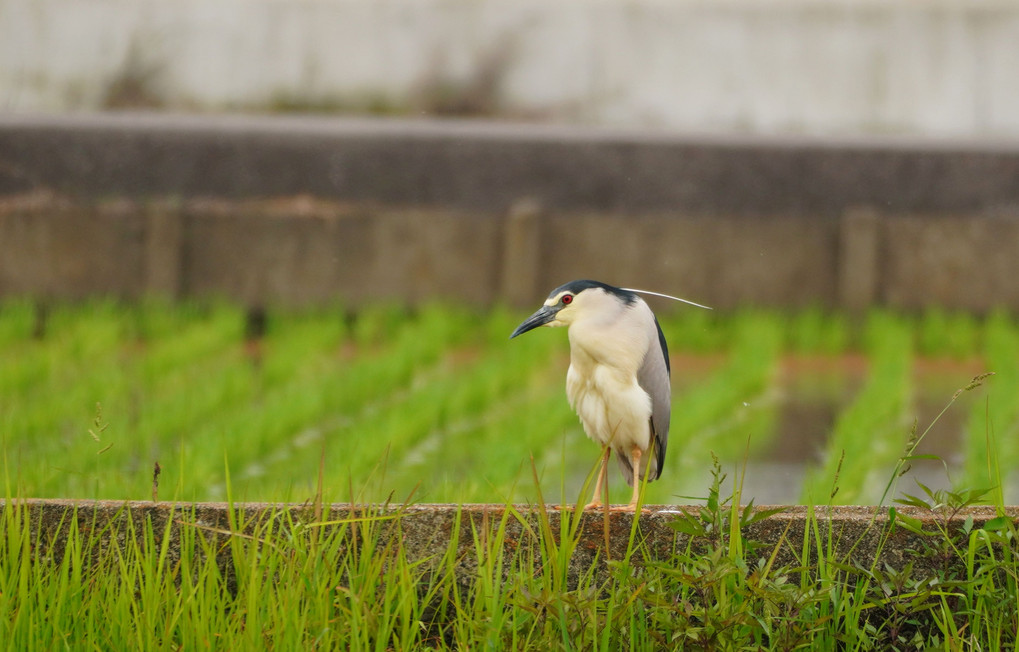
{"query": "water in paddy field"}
(448, 417)
(807, 398)
(809, 405)
(804, 403)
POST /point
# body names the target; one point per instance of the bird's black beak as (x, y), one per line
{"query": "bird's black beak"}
(544, 315)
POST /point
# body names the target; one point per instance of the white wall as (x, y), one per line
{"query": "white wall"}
(766, 66)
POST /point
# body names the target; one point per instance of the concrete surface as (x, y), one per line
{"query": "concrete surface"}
(426, 530)
(486, 166)
(938, 67)
(298, 211)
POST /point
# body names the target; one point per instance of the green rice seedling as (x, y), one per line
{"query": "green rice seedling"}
(941, 333)
(992, 426)
(458, 423)
(378, 323)
(48, 423)
(91, 329)
(219, 391)
(870, 434)
(721, 413)
(153, 318)
(695, 330)
(345, 403)
(17, 321)
(27, 367)
(450, 393)
(301, 345)
(177, 345)
(75, 338)
(814, 331)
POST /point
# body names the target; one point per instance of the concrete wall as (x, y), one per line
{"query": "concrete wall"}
(356, 254)
(857, 535)
(300, 211)
(938, 67)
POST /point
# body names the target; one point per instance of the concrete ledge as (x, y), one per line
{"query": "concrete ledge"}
(426, 530)
(481, 166)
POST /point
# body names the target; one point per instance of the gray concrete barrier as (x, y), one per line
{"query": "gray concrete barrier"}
(853, 535)
(485, 166)
(297, 211)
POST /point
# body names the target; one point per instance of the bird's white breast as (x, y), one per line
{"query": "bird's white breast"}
(601, 383)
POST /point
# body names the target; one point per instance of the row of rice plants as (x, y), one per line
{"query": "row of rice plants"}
(57, 428)
(87, 338)
(729, 413)
(195, 390)
(439, 431)
(385, 398)
(276, 432)
(990, 442)
(871, 434)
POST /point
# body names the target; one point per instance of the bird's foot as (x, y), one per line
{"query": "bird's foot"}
(615, 508)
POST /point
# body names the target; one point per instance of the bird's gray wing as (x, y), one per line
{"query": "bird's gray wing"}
(654, 378)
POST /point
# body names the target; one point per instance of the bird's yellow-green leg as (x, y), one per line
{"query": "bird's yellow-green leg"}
(602, 480)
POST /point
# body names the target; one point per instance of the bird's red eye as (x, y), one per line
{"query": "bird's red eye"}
(567, 299)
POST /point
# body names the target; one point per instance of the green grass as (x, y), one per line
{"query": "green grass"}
(994, 422)
(300, 579)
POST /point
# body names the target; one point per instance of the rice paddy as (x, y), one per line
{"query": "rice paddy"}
(435, 404)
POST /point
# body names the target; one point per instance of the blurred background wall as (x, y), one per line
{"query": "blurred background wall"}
(936, 68)
(783, 152)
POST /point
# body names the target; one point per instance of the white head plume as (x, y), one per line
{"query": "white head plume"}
(667, 296)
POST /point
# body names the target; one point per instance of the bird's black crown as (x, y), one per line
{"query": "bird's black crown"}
(576, 287)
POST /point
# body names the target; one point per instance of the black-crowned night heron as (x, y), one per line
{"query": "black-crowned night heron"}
(618, 381)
